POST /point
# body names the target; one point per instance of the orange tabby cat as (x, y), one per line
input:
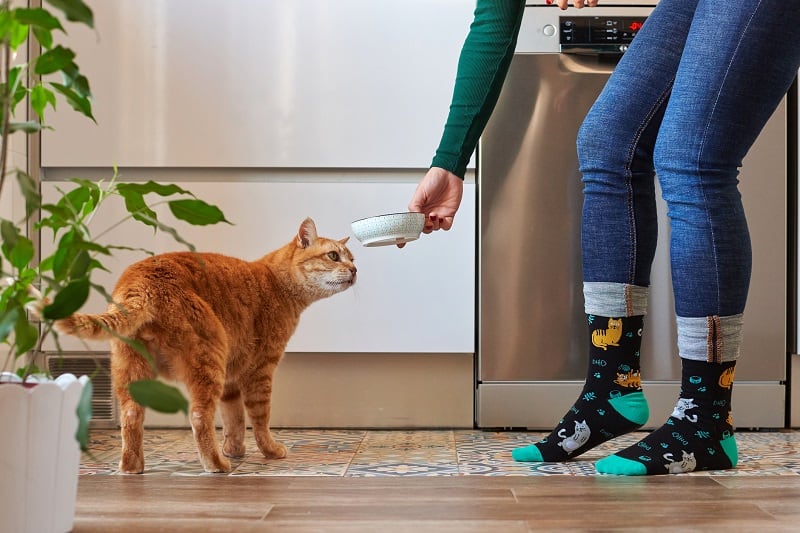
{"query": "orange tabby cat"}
(218, 324)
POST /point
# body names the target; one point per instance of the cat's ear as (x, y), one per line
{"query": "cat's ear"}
(344, 241)
(307, 233)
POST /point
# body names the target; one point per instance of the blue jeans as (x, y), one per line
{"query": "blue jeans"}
(685, 104)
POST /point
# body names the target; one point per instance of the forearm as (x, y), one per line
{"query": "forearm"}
(482, 68)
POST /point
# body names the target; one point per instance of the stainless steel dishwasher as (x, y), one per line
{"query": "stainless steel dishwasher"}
(531, 328)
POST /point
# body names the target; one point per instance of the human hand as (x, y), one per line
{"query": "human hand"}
(438, 195)
(578, 3)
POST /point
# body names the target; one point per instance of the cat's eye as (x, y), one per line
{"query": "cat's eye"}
(333, 256)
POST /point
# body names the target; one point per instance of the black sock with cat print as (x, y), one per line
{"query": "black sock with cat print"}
(611, 402)
(698, 435)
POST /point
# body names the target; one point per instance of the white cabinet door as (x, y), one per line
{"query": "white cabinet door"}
(417, 299)
(262, 83)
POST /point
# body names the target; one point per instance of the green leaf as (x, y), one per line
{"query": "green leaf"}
(40, 97)
(46, 264)
(168, 229)
(29, 126)
(30, 191)
(6, 19)
(92, 187)
(27, 370)
(84, 413)
(133, 343)
(62, 257)
(76, 81)
(79, 103)
(75, 199)
(196, 212)
(92, 247)
(136, 206)
(25, 335)
(22, 253)
(68, 300)
(17, 248)
(17, 87)
(8, 319)
(161, 189)
(80, 265)
(130, 249)
(54, 60)
(74, 10)
(38, 17)
(45, 37)
(109, 299)
(10, 235)
(158, 396)
(57, 219)
(18, 35)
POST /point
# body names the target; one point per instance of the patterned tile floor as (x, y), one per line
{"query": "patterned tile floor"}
(360, 453)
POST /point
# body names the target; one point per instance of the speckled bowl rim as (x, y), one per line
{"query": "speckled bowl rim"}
(389, 238)
(389, 215)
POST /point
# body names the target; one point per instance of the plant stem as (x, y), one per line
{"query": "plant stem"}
(6, 106)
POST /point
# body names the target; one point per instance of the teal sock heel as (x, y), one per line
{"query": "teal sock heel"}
(633, 407)
(728, 445)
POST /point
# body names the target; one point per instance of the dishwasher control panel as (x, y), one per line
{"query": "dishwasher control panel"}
(598, 34)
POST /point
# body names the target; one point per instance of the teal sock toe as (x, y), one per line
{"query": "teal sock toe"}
(620, 466)
(527, 454)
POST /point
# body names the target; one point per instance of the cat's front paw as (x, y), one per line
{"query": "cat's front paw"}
(275, 450)
(218, 466)
(131, 464)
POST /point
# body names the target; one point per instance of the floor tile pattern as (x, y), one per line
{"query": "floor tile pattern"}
(384, 453)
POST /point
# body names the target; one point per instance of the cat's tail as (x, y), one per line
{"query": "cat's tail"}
(116, 322)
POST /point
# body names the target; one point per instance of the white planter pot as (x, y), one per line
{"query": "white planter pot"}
(39, 455)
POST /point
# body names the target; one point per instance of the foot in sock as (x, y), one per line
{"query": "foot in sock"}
(698, 435)
(611, 402)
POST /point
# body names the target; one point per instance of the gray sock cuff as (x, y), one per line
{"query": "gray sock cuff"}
(712, 339)
(614, 299)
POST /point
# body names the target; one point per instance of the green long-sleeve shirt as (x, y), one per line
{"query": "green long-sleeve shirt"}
(482, 68)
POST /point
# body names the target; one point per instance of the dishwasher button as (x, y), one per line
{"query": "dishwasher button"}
(549, 30)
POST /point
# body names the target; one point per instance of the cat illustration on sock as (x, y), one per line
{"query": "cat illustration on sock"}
(577, 439)
(687, 464)
(683, 405)
(602, 338)
(631, 379)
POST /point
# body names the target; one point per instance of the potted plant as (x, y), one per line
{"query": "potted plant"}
(47, 419)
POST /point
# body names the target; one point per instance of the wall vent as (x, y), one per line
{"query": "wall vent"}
(98, 367)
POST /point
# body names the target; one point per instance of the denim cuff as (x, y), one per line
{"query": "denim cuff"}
(712, 339)
(614, 299)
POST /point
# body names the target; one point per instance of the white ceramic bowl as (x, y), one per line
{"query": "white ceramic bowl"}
(393, 228)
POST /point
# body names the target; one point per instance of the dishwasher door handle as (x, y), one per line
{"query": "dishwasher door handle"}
(589, 63)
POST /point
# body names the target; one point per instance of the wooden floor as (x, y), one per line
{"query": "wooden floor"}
(437, 504)
(428, 481)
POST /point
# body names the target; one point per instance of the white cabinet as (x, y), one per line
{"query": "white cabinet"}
(262, 83)
(419, 299)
